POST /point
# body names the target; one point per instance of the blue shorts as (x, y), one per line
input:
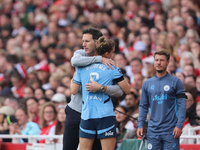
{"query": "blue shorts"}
(98, 128)
(162, 142)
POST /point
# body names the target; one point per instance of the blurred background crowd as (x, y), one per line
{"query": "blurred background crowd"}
(38, 39)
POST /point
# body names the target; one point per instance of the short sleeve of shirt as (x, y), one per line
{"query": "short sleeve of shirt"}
(77, 78)
(118, 76)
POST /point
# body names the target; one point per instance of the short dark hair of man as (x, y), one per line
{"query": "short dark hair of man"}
(96, 34)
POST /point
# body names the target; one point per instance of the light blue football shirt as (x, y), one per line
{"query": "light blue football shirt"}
(94, 105)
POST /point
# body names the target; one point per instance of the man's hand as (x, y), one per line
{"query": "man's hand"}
(140, 132)
(93, 86)
(108, 62)
(177, 132)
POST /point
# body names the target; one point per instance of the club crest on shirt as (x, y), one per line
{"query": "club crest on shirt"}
(150, 146)
(120, 71)
(166, 87)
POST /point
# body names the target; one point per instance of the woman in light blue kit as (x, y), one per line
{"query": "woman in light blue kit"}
(23, 126)
(98, 116)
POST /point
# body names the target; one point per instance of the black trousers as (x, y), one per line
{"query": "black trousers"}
(71, 131)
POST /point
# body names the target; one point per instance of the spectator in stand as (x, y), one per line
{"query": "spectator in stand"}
(191, 35)
(188, 58)
(181, 31)
(145, 37)
(190, 106)
(139, 49)
(43, 75)
(48, 115)
(23, 126)
(131, 101)
(12, 101)
(198, 113)
(33, 109)
(173, 43)
(121, 61)
(60, 120)
(55, 80)
(191, 22)
(138, 81)
(154, 36)
(181, 76)
(198, 89)
(28, 92)
(18, 28)
(50, 93)
(39, 93)
(18, 85)
(185, 131)
(188, 69)
(66, 80)
(195, 49)
(59, 99)
(42, 101)
(137, 67)
(183, 48)
(61, 89)
(41, 25)
(148, 64)
(30, 60)
(6, 118)
(191, 80)
(123, 124)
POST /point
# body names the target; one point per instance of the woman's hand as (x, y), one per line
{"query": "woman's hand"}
(14, 128)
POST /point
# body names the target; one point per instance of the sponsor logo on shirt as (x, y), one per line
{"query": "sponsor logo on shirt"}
(160, 99)
(152, 87)
(91, 97)
(109, 133)
(174, 145)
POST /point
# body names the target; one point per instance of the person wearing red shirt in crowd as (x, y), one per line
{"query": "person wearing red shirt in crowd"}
(33, 109)
(48, 120)
(18, 85)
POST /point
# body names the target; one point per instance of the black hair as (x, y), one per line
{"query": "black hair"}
(135, 95)
(43, 91)
(52, 90)
(188, 115)
(45, 98)
(121, 53)
(23, 108)
(32, 98)
(119, 8)
(32, 89)
(11, 58)
(137, 59)
(123, 107)
(183, 26)
(193, 77)
(96, 34)
(8, 15)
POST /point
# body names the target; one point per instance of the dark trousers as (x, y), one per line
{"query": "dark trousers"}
(71, 132)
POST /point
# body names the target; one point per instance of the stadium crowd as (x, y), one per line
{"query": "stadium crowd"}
(38, 39)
